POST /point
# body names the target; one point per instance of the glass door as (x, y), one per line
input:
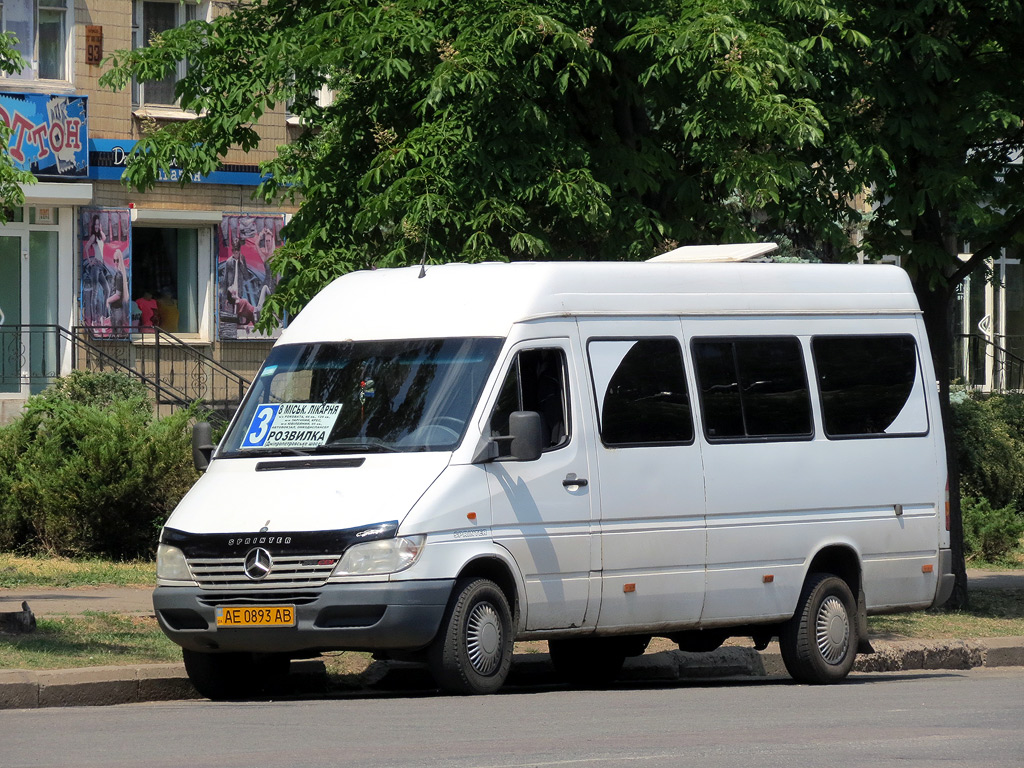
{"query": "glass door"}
(42, 309)
(12, 341)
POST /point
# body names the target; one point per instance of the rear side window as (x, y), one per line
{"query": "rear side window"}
(870, 385)
(640, 389)
(753, 388)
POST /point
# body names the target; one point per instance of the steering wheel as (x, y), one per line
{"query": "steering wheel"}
(447, 423)
(434, 432)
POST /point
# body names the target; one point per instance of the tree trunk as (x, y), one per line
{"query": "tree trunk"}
(937, 305)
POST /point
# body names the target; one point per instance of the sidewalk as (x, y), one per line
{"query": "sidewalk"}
(163, 682)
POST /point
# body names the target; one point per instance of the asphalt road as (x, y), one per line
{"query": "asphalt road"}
(973, 718)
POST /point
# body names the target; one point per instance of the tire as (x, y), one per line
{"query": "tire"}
(227, 676)
(472, 652)
(592, 661)
(819, 644)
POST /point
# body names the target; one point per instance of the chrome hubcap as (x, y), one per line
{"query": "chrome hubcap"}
(832, 630)
(484, 638)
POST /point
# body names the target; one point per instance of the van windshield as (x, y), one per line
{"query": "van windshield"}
(362, 397)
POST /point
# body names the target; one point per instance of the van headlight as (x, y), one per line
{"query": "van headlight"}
(171, 564)
(381, 556)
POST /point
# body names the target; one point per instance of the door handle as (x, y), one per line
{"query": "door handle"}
(571, 480)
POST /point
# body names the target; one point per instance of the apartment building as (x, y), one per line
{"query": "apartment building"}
(89, 270)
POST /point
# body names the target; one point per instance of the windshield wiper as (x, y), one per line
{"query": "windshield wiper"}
(270, 451)
(349, 446)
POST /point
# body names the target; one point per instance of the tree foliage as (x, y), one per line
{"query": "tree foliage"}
(615, 129)
(503, 128)
(11, 195)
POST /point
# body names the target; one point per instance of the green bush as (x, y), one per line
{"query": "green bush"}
(89, 470)
(101, 389)
(989, 435)
(990, 535)
(990, 449)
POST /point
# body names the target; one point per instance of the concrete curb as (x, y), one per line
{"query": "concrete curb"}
(99, 686)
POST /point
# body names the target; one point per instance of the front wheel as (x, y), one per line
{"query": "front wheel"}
(819, 644)
(472, 652)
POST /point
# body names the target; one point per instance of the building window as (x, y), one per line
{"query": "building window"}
(151, 18)
(41, 29)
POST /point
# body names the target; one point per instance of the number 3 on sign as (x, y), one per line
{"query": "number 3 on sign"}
(259, 428)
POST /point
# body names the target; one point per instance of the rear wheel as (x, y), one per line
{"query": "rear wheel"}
(472, 652)
(819, 644)
(222, 676)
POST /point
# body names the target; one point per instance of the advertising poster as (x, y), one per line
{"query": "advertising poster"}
(245, 244)
(105, 289)
(48, 133)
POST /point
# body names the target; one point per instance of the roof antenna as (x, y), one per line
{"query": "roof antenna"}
(426, 234)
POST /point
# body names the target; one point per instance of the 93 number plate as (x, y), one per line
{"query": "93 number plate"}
(262, 616)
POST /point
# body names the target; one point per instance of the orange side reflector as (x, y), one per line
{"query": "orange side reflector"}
(471, 515)
(768, 578)
(631, 587)
(927, 568)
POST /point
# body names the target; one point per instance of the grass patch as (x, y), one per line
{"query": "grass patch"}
(93, 640)
(991, 614)
(20, 571)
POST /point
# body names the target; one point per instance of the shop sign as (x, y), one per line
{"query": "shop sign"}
(49, 133)
(109, 157)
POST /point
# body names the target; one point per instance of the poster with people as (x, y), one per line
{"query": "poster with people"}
(105, 285)
(245, 244)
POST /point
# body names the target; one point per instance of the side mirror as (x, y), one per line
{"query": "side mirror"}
(526, 431)
(202, 444)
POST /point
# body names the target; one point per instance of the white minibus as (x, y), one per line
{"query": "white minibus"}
(434, 463)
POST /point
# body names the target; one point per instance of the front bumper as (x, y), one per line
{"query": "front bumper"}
(403, 615)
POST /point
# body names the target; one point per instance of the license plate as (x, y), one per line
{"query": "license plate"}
(262, 616)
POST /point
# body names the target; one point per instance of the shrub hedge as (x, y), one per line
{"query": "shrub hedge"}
(89, 470)
(990, 448)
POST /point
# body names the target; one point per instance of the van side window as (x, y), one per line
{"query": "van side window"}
(535, 382)
(753, 388)
(641, 391)
(869, 385)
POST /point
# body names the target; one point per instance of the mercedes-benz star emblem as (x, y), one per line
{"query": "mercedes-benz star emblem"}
(258, 563)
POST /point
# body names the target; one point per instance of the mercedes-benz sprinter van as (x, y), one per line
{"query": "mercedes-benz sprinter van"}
(432, 464)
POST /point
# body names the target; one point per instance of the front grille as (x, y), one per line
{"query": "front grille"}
(258, 598)
(288, 571)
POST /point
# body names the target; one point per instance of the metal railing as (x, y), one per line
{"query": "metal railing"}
(175, 372)
(29, 354)
(980, 362)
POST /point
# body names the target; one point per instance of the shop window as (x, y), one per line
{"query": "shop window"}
(150, 18)
(41, 29)
(753, 388)
(165, 268)
(644, 400)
